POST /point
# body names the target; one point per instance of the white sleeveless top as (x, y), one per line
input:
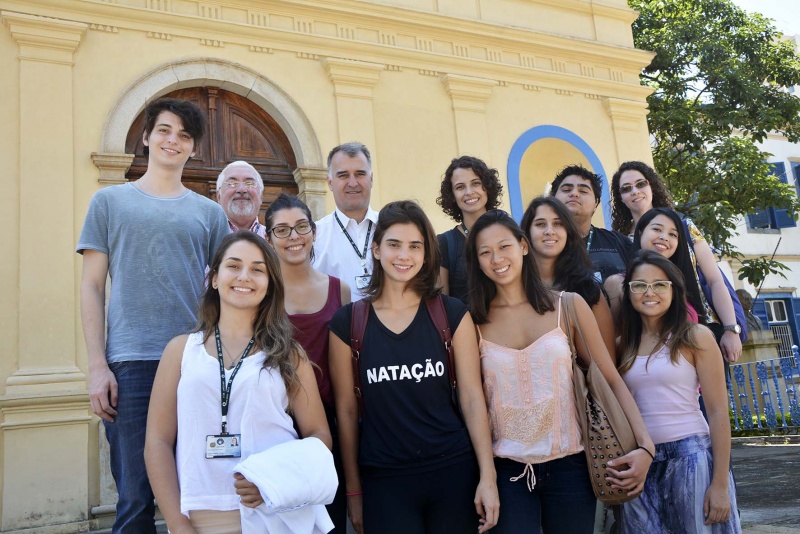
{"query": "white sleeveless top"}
(257, 411)
(667, 396)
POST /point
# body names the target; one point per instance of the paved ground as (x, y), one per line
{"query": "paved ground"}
(767, 474)
(768, 485)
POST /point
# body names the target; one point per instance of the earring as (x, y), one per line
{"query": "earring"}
(214, 286)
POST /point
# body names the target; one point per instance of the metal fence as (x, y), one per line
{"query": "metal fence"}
(763, 394)
(783, 333)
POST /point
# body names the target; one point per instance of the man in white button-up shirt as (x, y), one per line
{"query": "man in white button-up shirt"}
(343, 243)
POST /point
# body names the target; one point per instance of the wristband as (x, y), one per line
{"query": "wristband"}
(648, 452)
(354, 493)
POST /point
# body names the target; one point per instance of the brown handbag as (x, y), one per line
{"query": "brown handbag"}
(605, 430)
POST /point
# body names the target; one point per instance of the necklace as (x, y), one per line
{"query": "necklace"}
(234, 361)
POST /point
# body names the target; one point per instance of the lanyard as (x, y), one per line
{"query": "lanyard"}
(589, 239)
(361, 255)
(225, 392)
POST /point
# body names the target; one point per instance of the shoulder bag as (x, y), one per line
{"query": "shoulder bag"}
(605, 431)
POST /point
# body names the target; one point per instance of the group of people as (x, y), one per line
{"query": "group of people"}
(432, 375)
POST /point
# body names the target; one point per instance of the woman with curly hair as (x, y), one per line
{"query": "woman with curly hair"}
(635, 188)
(562, 260)
(469, 189)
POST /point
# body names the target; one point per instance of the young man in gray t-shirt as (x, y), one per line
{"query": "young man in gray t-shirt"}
(155, 238)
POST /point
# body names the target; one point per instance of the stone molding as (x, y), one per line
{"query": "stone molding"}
(424, 41)
(312, 184)
(44, 39)
(112, 167)
(468, 93)
(625, 114)
(201, 72)
(352, 78)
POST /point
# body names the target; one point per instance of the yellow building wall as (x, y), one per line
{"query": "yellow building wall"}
(420, 81)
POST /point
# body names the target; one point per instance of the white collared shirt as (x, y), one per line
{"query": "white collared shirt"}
(335, 256)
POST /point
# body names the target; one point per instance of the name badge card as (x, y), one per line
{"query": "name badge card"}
(224, 446)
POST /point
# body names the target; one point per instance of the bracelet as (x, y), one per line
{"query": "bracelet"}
(647, 451)
(354, 493)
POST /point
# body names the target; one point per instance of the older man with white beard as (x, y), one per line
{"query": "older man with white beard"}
(239, 190)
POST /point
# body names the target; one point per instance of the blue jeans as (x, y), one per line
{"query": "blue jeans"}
(135, 508)
(562, 499)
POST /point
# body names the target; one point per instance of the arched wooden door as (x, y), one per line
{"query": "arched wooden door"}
(237, 130)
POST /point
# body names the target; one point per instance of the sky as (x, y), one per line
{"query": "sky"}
(786, 13)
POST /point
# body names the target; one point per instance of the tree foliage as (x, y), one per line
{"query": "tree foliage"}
(719, 79)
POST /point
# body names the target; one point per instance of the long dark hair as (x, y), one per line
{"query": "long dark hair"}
(490, 179)
(271, 327)
(483, 290)
(621, 216)
(681, 258)
(407, 212)
(573, 268)
(676, 330)
(287, 202)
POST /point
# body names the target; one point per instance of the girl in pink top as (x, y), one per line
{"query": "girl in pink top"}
(526, 360)
(664, 358)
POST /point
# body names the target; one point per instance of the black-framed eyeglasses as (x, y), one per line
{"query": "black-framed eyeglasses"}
(659, 286)
(282, 232)
(639, 184)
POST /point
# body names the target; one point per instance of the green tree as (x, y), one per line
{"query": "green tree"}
(718, 77)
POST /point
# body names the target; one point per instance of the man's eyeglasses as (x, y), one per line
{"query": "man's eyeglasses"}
(639, 184)
(282, 232)
(233, 184)
(659, 287)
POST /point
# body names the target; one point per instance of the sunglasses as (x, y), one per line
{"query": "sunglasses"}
(639, 184)
(659, 287)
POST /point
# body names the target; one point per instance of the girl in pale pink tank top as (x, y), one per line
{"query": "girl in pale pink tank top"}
(526, 362)
(664, 359)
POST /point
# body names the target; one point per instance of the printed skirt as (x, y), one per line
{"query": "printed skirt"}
(672, 500)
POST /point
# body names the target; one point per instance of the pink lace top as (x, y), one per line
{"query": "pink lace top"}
(530, 398)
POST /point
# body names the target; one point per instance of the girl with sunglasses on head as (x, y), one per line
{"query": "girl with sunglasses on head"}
(665, 358)
(562, 261)
(636, 189)
(243, 339)
(469, 189)
(422, 461)
(311, 300)
(526, 360)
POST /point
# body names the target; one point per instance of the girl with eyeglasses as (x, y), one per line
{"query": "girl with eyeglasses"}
(660, 231)
(526, 362)
(311, 300)
(562, 261)
(636, 189)
(469, 189)
(665, 358)
(421, 461)
(244, 340)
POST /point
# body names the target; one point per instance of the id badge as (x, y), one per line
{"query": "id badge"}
(224, 446)
(362, 282)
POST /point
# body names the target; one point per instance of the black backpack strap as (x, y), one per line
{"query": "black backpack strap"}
(438, 314)
(358, 327)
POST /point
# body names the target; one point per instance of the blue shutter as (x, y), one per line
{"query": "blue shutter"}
(780, 218)
(760, 311)
(759, 219)
(796, 172)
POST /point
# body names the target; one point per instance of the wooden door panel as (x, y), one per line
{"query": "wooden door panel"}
(238, 130)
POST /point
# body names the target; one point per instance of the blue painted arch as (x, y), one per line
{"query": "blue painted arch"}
(548, 131)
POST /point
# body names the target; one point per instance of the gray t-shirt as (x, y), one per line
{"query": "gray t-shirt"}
(158, 249)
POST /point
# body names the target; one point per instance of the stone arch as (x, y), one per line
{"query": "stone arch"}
(200, 72)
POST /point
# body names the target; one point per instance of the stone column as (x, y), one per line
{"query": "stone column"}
(312, 184)
(469, 96)
(45, 407)
(629, 123)
(353, 82)
(112, 167)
